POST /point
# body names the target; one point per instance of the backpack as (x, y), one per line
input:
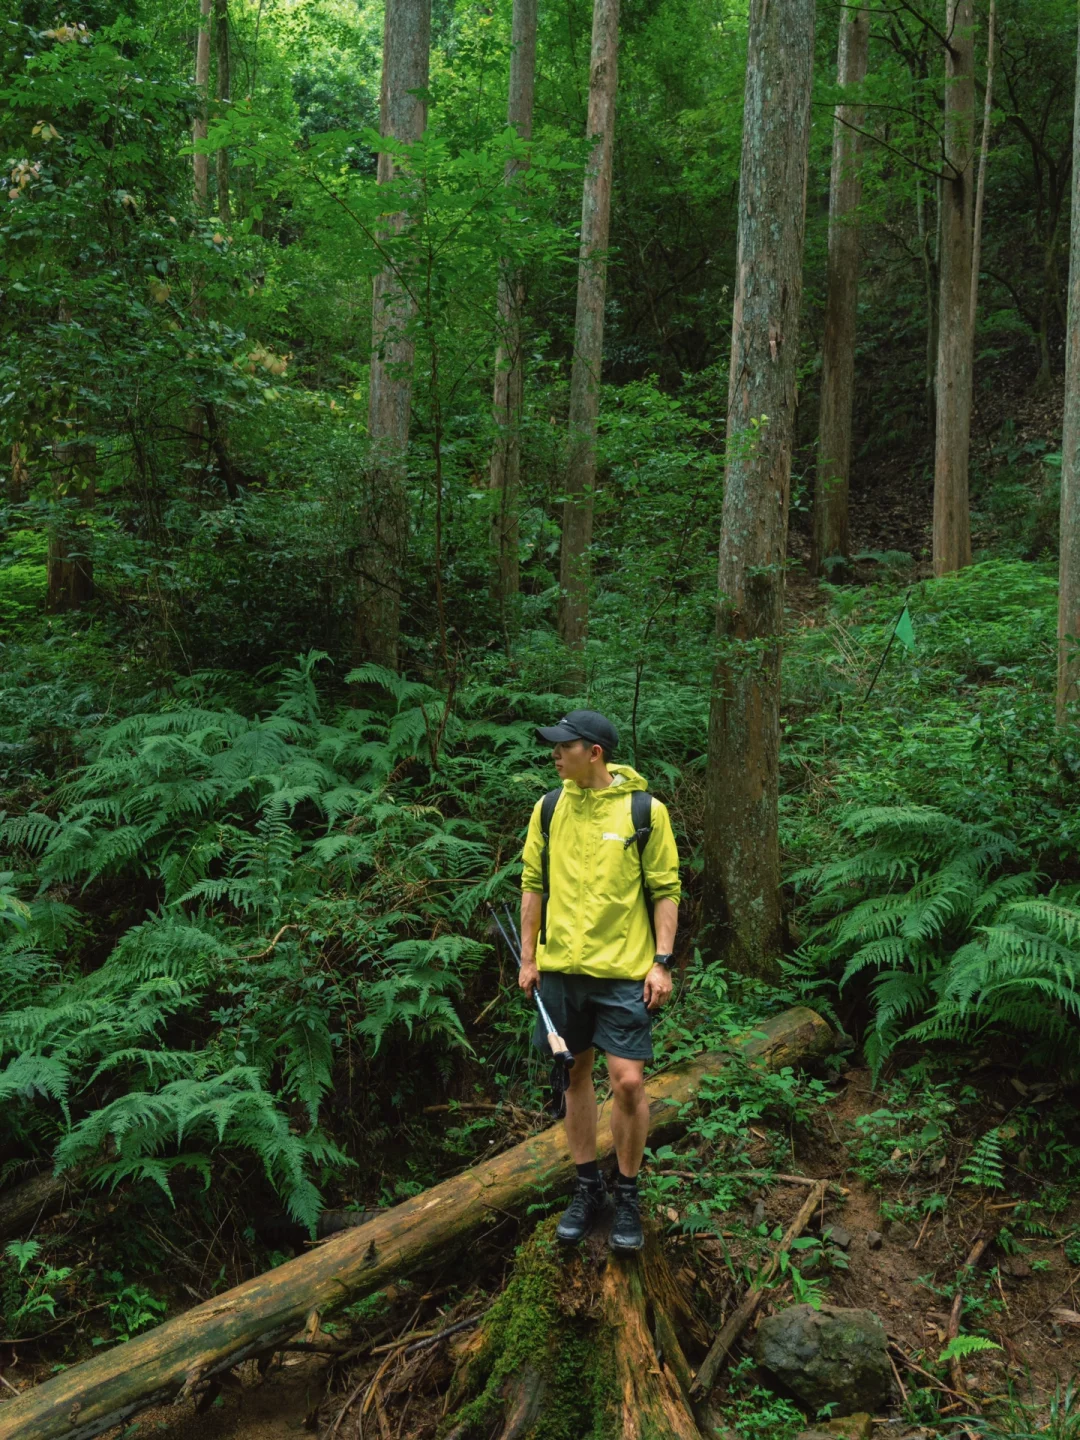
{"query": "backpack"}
(640, 818)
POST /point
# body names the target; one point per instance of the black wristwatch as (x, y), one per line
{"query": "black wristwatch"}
(667, 961)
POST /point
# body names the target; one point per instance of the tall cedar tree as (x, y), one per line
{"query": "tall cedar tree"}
(509, 370)
(200, 162)
(385, 518)
(573, 611)
(831, 536)
(952, 520)
(741, 846)
(1068, 677)
(223, 94)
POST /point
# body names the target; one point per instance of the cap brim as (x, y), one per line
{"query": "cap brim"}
(555, 734)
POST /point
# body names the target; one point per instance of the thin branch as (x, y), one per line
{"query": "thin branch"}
(869, 135)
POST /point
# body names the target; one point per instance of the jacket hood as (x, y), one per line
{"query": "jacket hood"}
(625, 780)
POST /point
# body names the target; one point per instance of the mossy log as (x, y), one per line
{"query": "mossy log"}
(23, 1206)
(178, 1356)
(580, 1346)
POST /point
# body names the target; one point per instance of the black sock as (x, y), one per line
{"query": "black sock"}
(589, 1171)
(621, 1179)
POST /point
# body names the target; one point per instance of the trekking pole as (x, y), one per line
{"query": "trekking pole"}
(555, 1041)
(562, 1059)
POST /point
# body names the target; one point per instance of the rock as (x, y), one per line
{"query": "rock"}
(1017, 1267)
(850, 1427)
(873, 1239)
(837, 1235)
(844, 1427)
(832, 1356)
(900, 1234)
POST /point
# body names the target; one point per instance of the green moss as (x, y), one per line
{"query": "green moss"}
(527, 1328)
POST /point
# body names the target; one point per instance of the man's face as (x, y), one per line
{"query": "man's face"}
(573, 759)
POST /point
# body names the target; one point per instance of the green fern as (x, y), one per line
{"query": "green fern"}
(954, 945)
(985, 1165)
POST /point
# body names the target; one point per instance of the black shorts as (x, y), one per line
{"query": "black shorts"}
(610, 1014)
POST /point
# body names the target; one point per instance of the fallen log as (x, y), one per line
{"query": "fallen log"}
(180, 1355)
(24, 1206)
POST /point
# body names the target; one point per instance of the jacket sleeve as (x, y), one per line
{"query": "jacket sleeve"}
(531, 874)
(661, 857)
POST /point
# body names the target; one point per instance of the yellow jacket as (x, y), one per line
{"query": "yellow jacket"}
(597, 923)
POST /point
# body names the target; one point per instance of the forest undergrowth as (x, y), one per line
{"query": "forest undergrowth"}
(246, 948)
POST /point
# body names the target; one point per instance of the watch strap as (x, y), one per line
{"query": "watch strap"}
(667, 960)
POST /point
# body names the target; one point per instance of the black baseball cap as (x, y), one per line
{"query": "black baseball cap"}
(587, 725)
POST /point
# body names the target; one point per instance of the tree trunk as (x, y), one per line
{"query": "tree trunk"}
(1068, 675)
(952, 520)
(202, 86)
(580, 1345)
(984, 151)
(573, 610)
(509, 370)
(69, 567)
(742, 852)
(930, 246)
(19, 480)
(223, 95)
(831, 538)
(385, 519)
(110, 1387)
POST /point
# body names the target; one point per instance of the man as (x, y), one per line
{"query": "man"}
(601, 974)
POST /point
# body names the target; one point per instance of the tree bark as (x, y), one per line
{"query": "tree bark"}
(831, 538)
(505, 475)
(742, 851)
(1068, 674)
(576, 1339)
(984, 151)
(177, 1356)
(384, 509)
(19, 480)
(199, 162)
(952, 519)
(223, 94)
(573, 609)
(23, 1206)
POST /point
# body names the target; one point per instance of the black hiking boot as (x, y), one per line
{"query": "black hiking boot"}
(578, 1218)
(626, 1232)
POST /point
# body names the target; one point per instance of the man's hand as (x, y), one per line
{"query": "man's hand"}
(657, 987)
(529, 977)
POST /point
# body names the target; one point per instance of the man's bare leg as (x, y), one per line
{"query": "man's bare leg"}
(581, 1110)
(629, 1112)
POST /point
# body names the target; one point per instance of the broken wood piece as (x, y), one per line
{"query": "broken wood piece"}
(978, 1250)
(115, 1384)
(744, 1312)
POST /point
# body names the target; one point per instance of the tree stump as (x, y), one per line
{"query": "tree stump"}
(580, 1345)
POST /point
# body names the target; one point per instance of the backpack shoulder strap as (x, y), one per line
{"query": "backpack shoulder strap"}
(641, 819)
(547, 810)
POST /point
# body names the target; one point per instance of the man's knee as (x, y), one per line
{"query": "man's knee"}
(581, 1071)
(627, 1081)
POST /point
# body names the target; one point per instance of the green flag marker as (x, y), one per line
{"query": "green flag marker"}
(905, 631)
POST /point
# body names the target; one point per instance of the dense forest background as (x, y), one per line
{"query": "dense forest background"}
(249, 833)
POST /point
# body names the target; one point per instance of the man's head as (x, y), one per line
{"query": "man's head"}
(582, 744)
